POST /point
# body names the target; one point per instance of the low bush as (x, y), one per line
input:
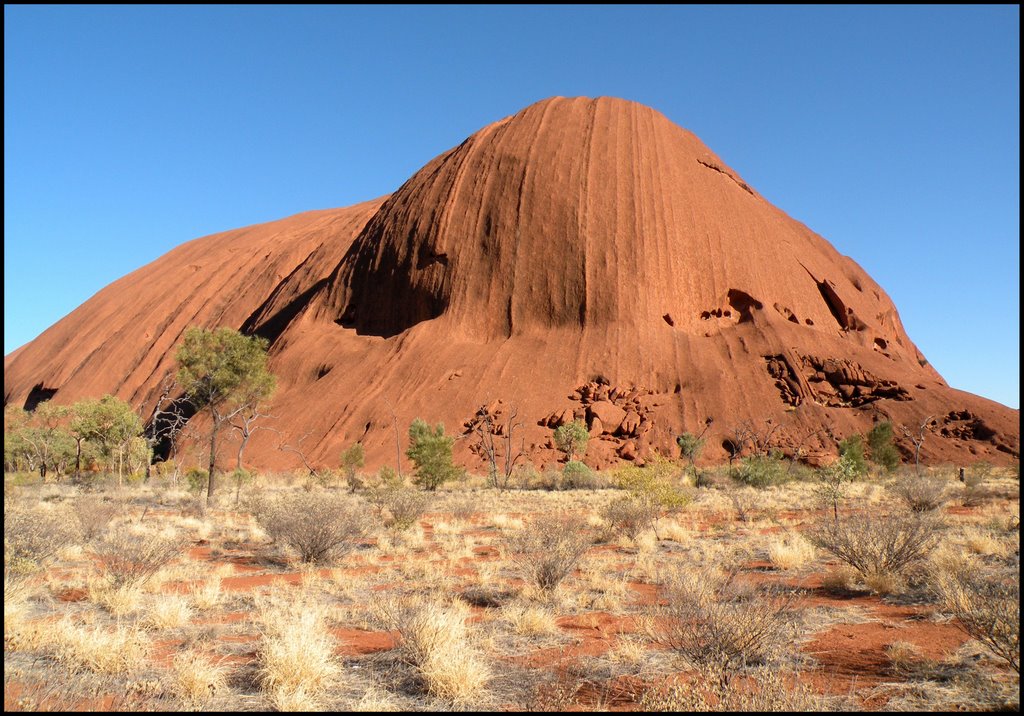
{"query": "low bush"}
(548, 549)
(577, 476)
(400, 507)
(986, 607)
(319, 526)
(879, 547)
(94, 514)
(629, 516)
(131, 556)
(714, 621)
(922, 494)
(762, 471)
(33, 535)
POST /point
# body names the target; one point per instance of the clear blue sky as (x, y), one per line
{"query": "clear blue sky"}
(894, 132)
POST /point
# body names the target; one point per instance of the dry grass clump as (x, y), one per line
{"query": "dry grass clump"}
(295, 658)
(196, 679)
(169, 611)
(529, 619)
(33, 535)
(502, 521)
(987, 608)
(94, 514)
(207, 594)
(92, 648)
(119, 600)
(547, 551)
(435, 643)
(903, 656)
(922, 494)
(880, 547)
(790, 551)
(133, 556)
(319, 526)
(712, 619)
(400, 507)
(714, 688)
(629, 516)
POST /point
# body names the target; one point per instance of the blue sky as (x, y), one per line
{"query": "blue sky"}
(894, 132)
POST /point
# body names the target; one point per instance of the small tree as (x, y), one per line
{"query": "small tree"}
(572, 438)
(852, 451)
(917, 439)
(351, 460)
(491, 435)
(833, 480)
(690, 447)
(883, 447)
(223, 372)
(431, 452)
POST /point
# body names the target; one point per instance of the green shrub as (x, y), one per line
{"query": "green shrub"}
(762, 471)
(431, 451)
(351, 460)
(851, 450)
(572, 439)
(883, 447)
(577, 476)
(197, 479)
(654, 483)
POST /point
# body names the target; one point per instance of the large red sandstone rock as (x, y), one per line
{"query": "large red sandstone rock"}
(583, 248)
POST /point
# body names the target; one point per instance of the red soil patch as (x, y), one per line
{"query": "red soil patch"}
(355, 642)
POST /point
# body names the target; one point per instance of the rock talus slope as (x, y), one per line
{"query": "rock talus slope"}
(580, 259)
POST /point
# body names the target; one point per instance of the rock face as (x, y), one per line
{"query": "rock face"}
(582, 259)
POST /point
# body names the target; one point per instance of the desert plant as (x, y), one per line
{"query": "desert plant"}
(986, 607)
(790, 551)
(629, 516)
(31, 536)
(878, 546)
(431, 451)
(196, 679)
(577, 476)
(400, 506)
(94, 514)
(132, 557)
(572, 439)
(712, 620)
(713, 688)
(655, 483)
(352, 459)
(851, 450)
(833, 481)
(549, 549)
(762, 471)
(922, 494)
(435, 641)
(690, 447)
(196, 478)
(881, 443)
(295, 657)
(318, 526)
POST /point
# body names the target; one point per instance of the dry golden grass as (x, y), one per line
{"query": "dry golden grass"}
(435, 642)
(376, 701)
(790, 551)
(529, 619)
(206, 595)
(120, 600)
(903, 656)
(504, 522)
(296, 661)
(196, 679)
(168, 611)
(120, 650)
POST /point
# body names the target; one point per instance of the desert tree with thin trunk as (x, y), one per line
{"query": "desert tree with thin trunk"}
(572, 439)
(917, 439)
(223, 373)
(497, 440)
